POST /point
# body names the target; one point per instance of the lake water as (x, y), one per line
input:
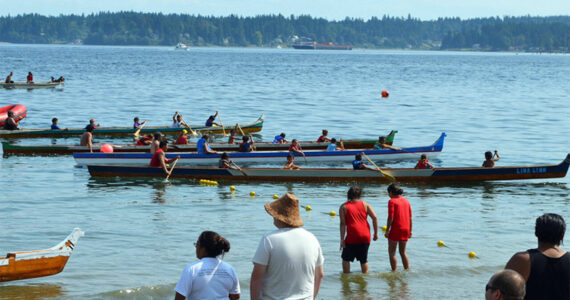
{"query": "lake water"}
(139, 233)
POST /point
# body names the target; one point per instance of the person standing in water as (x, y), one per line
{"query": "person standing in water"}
(398, 225)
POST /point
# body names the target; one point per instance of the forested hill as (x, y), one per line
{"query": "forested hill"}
(131, 28)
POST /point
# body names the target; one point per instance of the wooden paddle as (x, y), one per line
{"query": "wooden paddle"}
(188, 126)
(136, 134)
(384, 173)
(221, 123)
(241, 130)
(242, 171)
(171, 169)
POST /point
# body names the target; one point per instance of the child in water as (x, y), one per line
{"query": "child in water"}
(398, 225)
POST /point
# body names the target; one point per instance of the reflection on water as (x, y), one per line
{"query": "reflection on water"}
(354, 286)
(31, 292)
(397, 284)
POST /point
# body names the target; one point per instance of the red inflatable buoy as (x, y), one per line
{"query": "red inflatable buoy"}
(385, 94)
(107, 148)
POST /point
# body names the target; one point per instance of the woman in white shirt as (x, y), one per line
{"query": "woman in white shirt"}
(210, 277)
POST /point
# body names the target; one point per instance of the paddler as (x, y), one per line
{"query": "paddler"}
(159, 159)
(280, 139)
(177, 121)
(210, 122)
(145, 140)
(357, 163)
(155, 145)
(295, 147)
(9, 78)
(11, 123)
(30, 78)
(203, 146)
(225, 162)
(87, 137)
(290, 162)
(92, 124)
(333, 146)
(383, 145)
(424, 163)
(246, 145)
(490, 159)
(182, 138)
(323, 138)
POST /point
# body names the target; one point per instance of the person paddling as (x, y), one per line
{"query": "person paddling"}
(182, 138)
(383, 145)
(155, 145)
(290, 162)
(246, 145)
(11, 123)
(333, 146)
(30, 78)
(225, 162)
(145, 140)
(87, 137)
(210, 122)
(424, 163)
(490, 159)
(280, 139)
(159, 159)
(357, 163)
(323, 138)
(9, 78)
(203, 146)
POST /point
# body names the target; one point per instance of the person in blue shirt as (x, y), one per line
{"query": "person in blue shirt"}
(203, 146)
(54, 125)
(357, 163)
(210, 122)
(333, 146)
(280, 139)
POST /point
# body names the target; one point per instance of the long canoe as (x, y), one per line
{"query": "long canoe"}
(261, 157)
(127, 131)
(38, 263)
(25, 85)
(49, 149)
(472, 174)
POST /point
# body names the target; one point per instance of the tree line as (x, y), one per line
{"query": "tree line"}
(131, 28)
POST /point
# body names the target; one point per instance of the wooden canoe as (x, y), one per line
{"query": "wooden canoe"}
(25, 85)
(126, 131)
(49, 149)
(38, 263)
(262, 157)
(445, 175)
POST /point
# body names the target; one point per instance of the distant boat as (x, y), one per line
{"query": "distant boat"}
(181, 46)
(315, 46)
(25, 85)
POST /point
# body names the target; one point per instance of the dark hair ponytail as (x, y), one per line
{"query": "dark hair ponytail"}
(214, 243)
(395, 189)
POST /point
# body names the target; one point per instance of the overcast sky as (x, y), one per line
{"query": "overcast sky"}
(329, 9)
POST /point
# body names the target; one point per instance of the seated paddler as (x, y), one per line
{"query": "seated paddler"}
(210, 122)
(357, 163)
(159, 159)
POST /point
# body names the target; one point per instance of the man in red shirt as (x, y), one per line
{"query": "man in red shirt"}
(354, 223)
(159, 160)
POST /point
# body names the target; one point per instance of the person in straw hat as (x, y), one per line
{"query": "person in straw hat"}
(288, 263)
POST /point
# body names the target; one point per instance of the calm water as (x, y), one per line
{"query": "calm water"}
(140, 233)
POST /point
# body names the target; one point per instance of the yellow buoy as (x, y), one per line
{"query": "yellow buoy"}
(308, 208)
(472, 254)
(275, 196)
(252, 193)
(440, 244)
(384, 228)
(332, 213)
(232, 188)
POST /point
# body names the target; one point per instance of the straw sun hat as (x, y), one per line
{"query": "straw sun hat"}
(286, 210)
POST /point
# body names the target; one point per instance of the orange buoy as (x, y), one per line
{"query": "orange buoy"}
(385, 94)
(107, 148)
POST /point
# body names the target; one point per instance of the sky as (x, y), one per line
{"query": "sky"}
(328, 9)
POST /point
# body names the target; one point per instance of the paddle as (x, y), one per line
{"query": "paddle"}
(241, 130)
(384, 173)
(242, 171)
(188, 126)
(222, 123)
(136, 134)
(301, 149)
(171, 169)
